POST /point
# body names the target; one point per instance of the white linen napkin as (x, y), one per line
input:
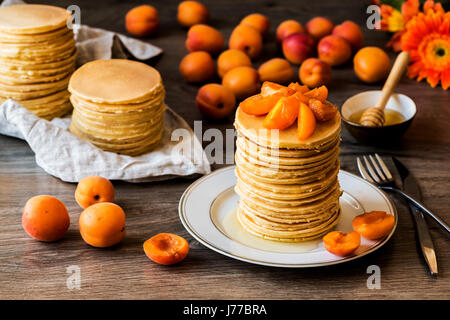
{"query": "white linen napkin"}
(70, 158)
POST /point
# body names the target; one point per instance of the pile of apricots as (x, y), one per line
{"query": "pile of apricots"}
(101, 224)
(282, 105)
(315, 48)
(370, 225)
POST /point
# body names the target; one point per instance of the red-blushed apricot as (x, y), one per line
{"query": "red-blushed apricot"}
(94, 189)
(314, 72)
(230, 59)
(142, 21)
(319, 27)
(243, 81)
(340, 243)
(215, 101)
(334, 50)
(45, 218)
(351, 32)
(297, 47)
(197, 66)
(373, 225)
(191, 13)
(201, 37)
(257, 21)
(288, 27)
(102, 224)
(166, 248)
(247, 39)
(276, 70)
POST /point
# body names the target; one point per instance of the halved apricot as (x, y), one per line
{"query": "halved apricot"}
(258, 105)
(283, 114)
(269, 88)
(373, 225)
(166, 248)
(306, 122)
(320, 93)
(340, 243)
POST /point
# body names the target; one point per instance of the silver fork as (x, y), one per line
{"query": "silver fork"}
(378, 173)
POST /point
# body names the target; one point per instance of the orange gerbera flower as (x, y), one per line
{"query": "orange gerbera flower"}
(427, 39)
(394, 21)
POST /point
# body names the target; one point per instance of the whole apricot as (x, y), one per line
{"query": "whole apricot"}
(45, 218)
(102, 224)
(371, 64)
(258, 21)
(247, 39)
(142, 21)
(297, 47)
(319, 27)
(351, 32)
(276, 70)
(215, 101)
(288, 27)
(166, 248)
(191, 13)
(243, 81)
(201, 37)
(94, 189)
(197, 67)
(334, 50)
(314, 72)
(230, 59)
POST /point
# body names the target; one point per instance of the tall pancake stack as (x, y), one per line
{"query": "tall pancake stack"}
(37, 57)
(118, 105)
(288, 188)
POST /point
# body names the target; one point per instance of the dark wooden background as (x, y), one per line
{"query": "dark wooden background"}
(30, 269)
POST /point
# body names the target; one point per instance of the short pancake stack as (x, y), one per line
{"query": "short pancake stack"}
(118, 105)
(37, 57)
(288, 188)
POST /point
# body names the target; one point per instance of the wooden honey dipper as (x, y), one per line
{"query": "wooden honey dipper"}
(374, 117)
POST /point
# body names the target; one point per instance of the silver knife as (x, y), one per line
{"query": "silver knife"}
(426, 243)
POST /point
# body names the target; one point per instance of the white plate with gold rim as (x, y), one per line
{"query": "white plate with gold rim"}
(208, 206)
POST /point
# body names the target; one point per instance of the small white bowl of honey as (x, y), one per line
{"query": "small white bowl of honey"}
(399, 112)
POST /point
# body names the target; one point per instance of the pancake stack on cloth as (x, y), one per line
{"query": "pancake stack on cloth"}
(37, 57)
(118, 105)
(288, 188)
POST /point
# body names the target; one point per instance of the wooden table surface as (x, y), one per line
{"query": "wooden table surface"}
(30, 269)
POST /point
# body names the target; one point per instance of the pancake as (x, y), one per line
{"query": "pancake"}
(249, 145)
(118, 105)
(245, 193)
(35, 38)
(307, 233)
(37, 57)
(115, 81)
(32, 18)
